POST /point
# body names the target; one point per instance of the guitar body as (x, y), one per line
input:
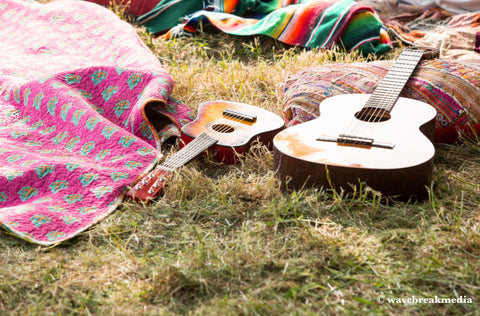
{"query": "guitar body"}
(402, 168)
(233, 136)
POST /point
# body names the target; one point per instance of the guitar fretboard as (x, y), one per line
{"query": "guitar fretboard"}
(387, 92)
(187, 153)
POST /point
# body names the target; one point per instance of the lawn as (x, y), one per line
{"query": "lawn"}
(227, 240)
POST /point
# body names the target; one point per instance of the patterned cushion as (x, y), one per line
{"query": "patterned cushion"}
(452, 87)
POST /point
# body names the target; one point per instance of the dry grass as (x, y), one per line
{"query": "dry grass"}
(226, 240)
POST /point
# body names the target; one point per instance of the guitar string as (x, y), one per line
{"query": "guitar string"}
(386, 93)
(397, 80)
(189, 151)
(389, 89)
(186, 153)
(209, 139)
(205, 140)
(353, 127)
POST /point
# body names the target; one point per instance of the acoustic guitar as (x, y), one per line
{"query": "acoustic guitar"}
(381, 139)
(226, 128)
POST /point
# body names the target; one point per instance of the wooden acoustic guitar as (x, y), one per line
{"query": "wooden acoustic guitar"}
(381, 139)
(229, 128)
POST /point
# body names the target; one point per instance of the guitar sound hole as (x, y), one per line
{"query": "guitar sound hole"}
(373, 115)
(223, 128)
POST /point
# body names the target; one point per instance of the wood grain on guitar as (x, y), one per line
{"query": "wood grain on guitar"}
(228, 128)
(380, 139)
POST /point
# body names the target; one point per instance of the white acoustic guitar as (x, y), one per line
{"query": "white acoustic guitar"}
(381, 139)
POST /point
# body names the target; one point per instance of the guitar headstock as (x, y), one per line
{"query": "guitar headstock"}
(149, 186)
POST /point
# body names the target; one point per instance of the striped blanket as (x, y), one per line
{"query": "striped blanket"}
(306, 23)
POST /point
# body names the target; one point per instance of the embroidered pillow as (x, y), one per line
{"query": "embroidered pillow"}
(452, 87)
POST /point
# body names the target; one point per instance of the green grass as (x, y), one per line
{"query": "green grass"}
(227, 240)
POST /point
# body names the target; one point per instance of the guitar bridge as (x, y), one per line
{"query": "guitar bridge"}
(352, 140)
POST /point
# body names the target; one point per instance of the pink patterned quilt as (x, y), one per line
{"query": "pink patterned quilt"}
(74, 84)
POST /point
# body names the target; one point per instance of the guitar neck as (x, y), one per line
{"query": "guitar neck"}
(386, 94)
(188, 152)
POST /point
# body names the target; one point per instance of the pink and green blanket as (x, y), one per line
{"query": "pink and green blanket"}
(75, 81)
(305, 23)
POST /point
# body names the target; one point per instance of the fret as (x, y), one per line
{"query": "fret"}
(188, 152)
(387, 92)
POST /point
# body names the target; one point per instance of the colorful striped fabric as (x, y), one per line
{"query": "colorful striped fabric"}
(305, 23)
